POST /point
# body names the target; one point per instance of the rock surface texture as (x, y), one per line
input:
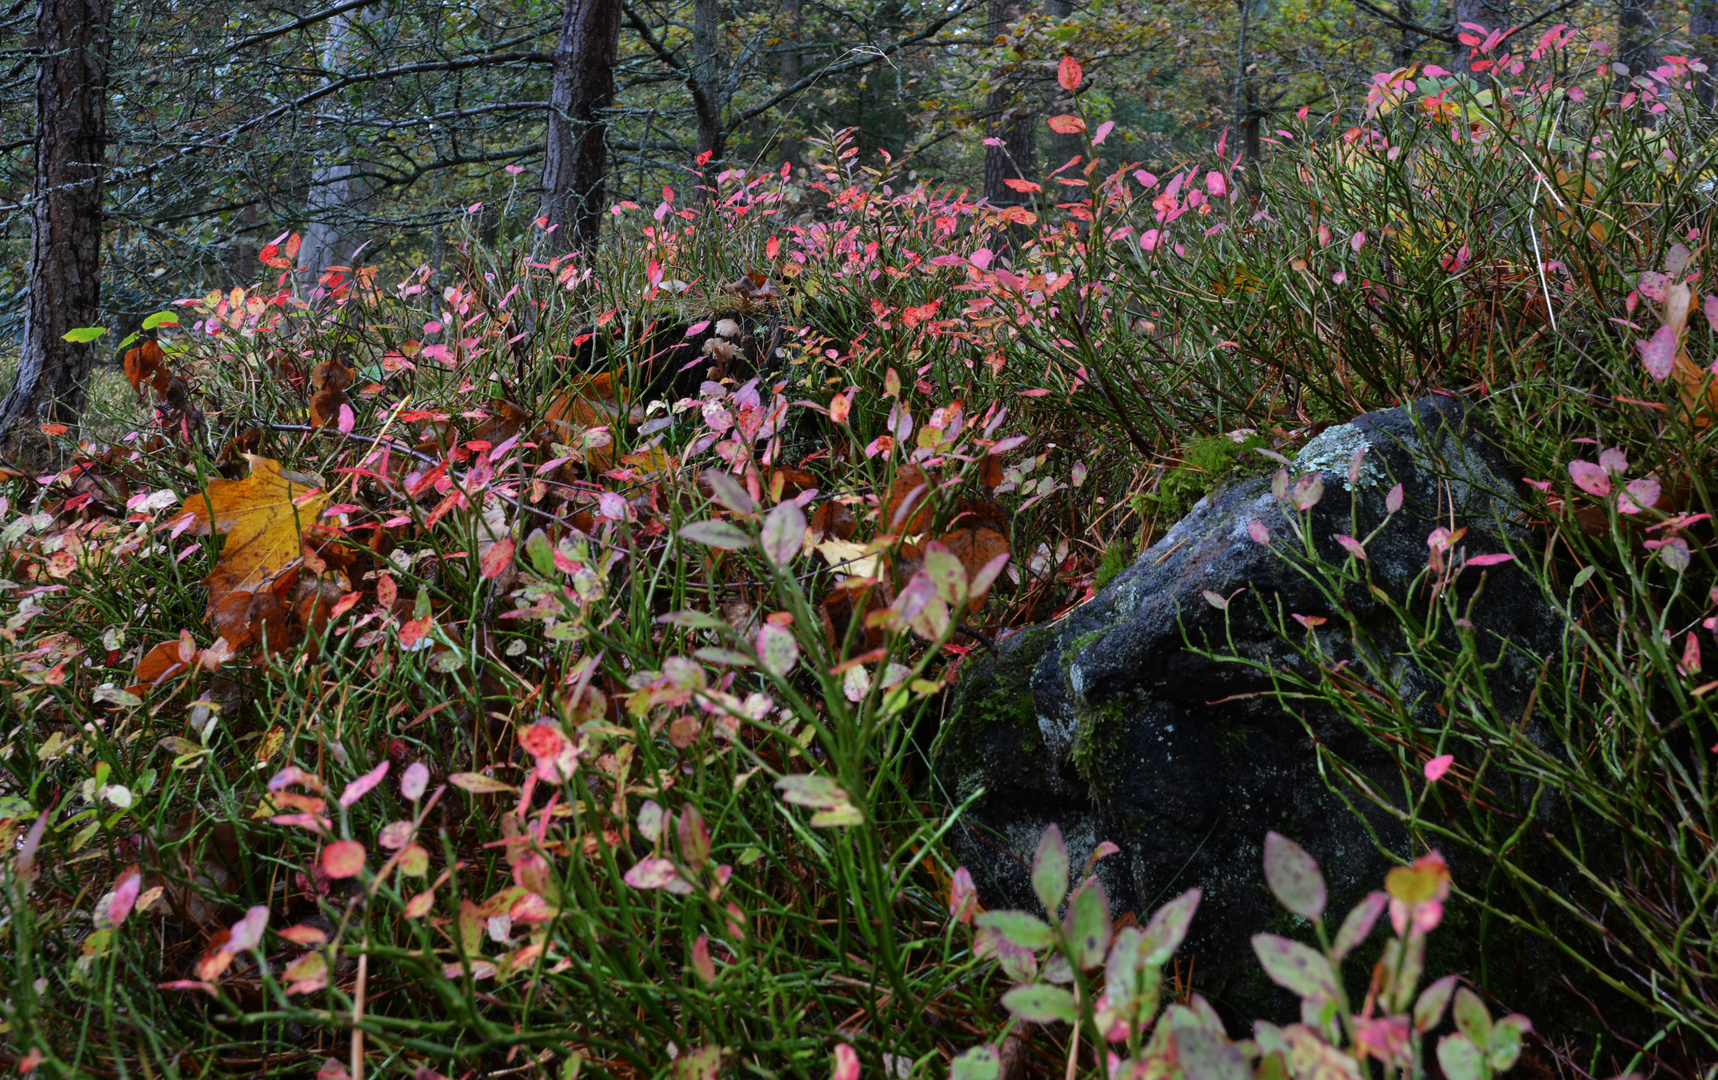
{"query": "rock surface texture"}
(1107, 723)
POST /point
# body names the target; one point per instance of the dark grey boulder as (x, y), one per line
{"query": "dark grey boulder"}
(1106, 723)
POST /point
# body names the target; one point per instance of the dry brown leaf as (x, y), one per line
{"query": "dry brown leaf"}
(910, 493)
(1690, 377)
(264, 518)
(325, 407)
(592, 402)
(143, 363)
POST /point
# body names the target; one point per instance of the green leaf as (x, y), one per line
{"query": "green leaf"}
(1358, 925)
(1460, 1058)
(1473, 1019)
(1429, 1009)
(1206, 1055)
(1295, 967)
(713, 654)
(1050, 869)
(717, 534)
(1504, 1046)
(1089, 923)
(540, 552)
(729, 492)
(979, 1063)
(1040, 1004)
(1022, 930)
(83, 335)
(1294, 877)
(1584, 575)
(15, 806)
(161, 318)
(783, 533)
(817, 792)
(1167, 928)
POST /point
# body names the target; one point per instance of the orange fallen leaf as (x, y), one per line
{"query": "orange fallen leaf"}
(264, 518)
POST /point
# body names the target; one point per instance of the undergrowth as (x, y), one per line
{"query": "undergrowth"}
(533, 665)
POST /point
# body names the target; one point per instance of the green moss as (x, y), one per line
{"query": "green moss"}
(1072, 651)
(996, 695)
(1115, 560)
(1205, 465)
(1096, 741)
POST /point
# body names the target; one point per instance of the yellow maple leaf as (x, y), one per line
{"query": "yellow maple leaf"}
(263, 518)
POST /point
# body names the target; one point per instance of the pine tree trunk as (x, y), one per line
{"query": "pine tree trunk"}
(1062, 147)
(1703, 29)
(339, 190)
(1012, 124)
(792, 68)
(1487, 13)
(1637, 33)
(707, 72)
(575, 154)
(65, 217)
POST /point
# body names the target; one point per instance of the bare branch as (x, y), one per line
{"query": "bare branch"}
(308, 20)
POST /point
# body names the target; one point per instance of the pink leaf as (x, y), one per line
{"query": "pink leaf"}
(247, 932)
(343, 859)
(414, 781)
(1311, 622)
(1614, 461)
(1352, 546)
(1639, 495)
(1103, 132)
(358, 788)
(1216, 185)
(981, 258)
(348, 420)
(1148, 181)
(1256, 529)
(1148, 239)
(497, 558)
(1339, 277)
(1393, 501)
(1069, 75)
(1710, 308)
(651, 874)
(1434, 71)
(1438, 766)
(846, 1061)
(1357, 241)
(1497, 559)
(1590, 478)
(962, 896)
(1659, 353)
(125, 895)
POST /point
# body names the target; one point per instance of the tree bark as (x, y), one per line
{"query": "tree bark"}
(1011, 124)
(575, 152)
(707, 97)
(65, 218)
(1637, 33)
(1703, 29)
(792, 65)
(1062, 147)
(339, 190)
(1491, 14)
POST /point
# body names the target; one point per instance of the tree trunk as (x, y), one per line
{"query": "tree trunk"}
(1703, 29)
(1062, 147)
(707, 79)
(1491, 14)
(793, 67)
(339, 190)
(65, 217)
(575, 152)
(1016, 152)
(1637, 34)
